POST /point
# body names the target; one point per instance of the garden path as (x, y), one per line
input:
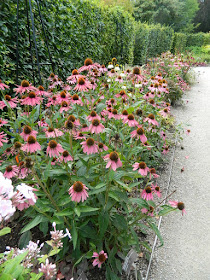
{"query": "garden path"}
(186, 251)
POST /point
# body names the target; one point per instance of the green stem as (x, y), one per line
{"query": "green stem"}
(107, 189)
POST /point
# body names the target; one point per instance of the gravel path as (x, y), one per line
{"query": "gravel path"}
(186, 251)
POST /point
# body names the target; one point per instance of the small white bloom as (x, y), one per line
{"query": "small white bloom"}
(117, 68)
(6, 187)
(122, 75)
(6, 209)
(68, 233)
(138, 85)
(123, 87)
(108, 80)
(26, 191)
(110, 66)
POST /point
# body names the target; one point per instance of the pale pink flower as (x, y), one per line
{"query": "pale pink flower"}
(78, 192)
(111, 102)
(178, 205)
(93, 115)
(3, 86)
(76, 100)
(3, 138)
(122, 94)
(163, 135)
(52, 101)
(113, 161)
(83, 85)
(24, 197)
(147, 193)
(52, 76)
(66, 156)
(102, 147)
(64, 107)
(119, 79)
(187, 131)
(6, 187)
(148, 212)
(48, 269)
(24, 87)
(89, 146)
(85, 128)
(113, 114)
(2, 122)
(74, 77)
(53, 132)
(139, 134)
(33, 99)
(54, 149)
(11, 171)
(11, 101)
(153, 173)
(151, 119)
(6, 209)
(164, 112)
(79, 135)
(62, 96)
(130, 120)
(100, 258)
(156, 190)
(27, 131)
(88, 65)
(141, 167)
(165, 149)
(96, 127)
(31, 146)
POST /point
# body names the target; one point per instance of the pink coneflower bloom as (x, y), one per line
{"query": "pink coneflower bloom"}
(54, 161)
(151, 119)
(139, 133)
(165, 149)
(66, 87)
(31, 146)
(113, 114)
(52, 76)
(99, 258)
(24, 197)
(93, 115)
(76, 100)
(164, 112)
(3, 86)
(74, 77)
(23, 170)
(111, 102)
(153, 173)
(94, 85)
(11, 171)
(130, 120)
(2, 122)
(178, 205)
(103, 69)
(42, 123)
(96, 127)
(187, 131)
(11, 101)
(6, 209)
(63, 96)
(102, 147)
(53, 132)
(55, 83)
(53, 149)
(83, 85)
(5, 140)
(42, 92)
(52, 101)
(141, 167)
(146, 96)
(124, 114)
(24, 87)
(78, 192)
(64, 107)
(89, 146)
(32, 99)
(79, 135)
(73, 120)
(84, 128)
(147, 193)
(111, 73)
(66, 156)
(156, 190)
(148, 212)
(88, 65)
(27, 131)
(113, 160)
(122, 94)
(163, 135)
(119, 79)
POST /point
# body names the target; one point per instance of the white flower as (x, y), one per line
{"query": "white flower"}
(6, 209)
(110, 66)
(117, 68)
(108, 80)
(68, 233)
(6, 187)
(123, 87)
(27, 192)
(138, 85)
(122, 75)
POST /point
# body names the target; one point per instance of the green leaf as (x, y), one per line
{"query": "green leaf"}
(77, 211)
(74, 235)
(103, 221)
(166, 209)
(4, 231)
(156, 230)
(24, 239)
(120, 222)
(37, 220)
(88, 209)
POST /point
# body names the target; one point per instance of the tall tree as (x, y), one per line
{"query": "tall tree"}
(203, 16)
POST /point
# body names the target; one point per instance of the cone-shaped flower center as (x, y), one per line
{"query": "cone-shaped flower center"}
(152, 101)
(180, 205)
(152, 171)
(138, 112)
(125, 113)
(151, 209)
(140, 131)
(17, 145)
(122, 92)
(71, 118)
(65, 153)
(75, 97)
(156, 85)
(8, 150)
(157, 188)
(136, 70)
(90, 142)
(102, 258)
(63, 94)
(100, 145)
(112, 100)
(95, 122)
(81, 81)
(80, 134)
(75, 72)
(119, 77)
(41, 88)
(28, 163)
(69, 125)
(52, 75)
(50, 129)
(166, 148)
(32, 94)
(165, 110)
(88, 61)
(25, 83)
(151, 116)
(78, 186)
(9, 168)
(64, 104)
(84, 125)
(142, 165)
(31, 139)
(53, 144)
(8, 97)
(93, 113)
(131, 117)
(54, 98)
(27, 129)
(114, 156)
(148, 189)
(114, 111)
(112, 71)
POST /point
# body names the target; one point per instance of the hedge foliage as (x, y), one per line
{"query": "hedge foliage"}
(75, 30)
(151, 40)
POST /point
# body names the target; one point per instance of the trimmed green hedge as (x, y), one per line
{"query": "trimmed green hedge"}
(151, 40)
